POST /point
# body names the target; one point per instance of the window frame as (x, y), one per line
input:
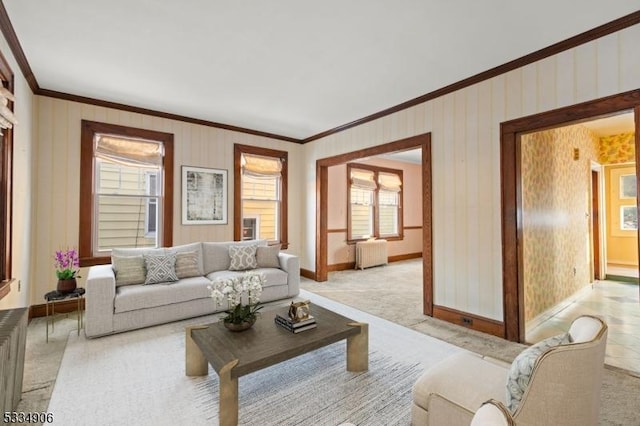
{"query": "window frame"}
(238, 150)
(151, 201)
(87, 185)
(6, 188)
(376, 207)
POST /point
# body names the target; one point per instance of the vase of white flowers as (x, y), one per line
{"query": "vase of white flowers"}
(242, 294)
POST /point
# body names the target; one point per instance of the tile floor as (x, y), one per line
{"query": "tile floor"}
(617, 303)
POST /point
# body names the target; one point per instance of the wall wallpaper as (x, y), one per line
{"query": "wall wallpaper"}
(555, 199)
(617, 149)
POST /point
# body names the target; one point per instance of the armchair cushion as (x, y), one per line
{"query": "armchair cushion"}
(522, 368)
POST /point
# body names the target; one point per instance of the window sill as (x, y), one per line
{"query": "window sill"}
(5, 287)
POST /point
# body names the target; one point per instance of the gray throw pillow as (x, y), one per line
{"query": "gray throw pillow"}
(160, 269)
(522, 368)
(242, 258)
(187, 264)
(267, 257)
(128, 269)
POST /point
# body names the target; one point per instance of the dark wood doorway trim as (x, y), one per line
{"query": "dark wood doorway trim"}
(322, 191)
(511, 131)
(595, 224)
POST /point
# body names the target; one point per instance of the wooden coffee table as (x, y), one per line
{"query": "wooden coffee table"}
(235, 354)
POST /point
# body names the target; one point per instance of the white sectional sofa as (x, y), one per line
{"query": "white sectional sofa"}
(117, 301)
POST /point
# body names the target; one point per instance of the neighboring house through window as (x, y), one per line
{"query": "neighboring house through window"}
(260, 194)
(127, 174)
(375, 202)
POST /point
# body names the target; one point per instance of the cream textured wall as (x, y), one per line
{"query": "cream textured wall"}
(465, 128)
(23, 186)
(57, 159)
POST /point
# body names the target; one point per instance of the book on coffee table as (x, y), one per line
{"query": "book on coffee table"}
(295, 327)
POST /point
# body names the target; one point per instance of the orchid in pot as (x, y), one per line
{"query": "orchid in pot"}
(67, 264)
(236, 291)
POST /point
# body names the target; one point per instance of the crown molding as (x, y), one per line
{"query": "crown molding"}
(585, 37)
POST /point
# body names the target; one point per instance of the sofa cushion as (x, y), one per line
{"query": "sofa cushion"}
(128, 269)
(267, 257)
(522, 368)
(216, 255)
(189, 248)
(242, 257)
(134, 297)
(160, 269)
(187, 265)
(273, 276)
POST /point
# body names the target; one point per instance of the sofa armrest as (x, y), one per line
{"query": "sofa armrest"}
(291, 265)
(99, 297)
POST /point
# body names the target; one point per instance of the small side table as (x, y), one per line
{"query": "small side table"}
(54, 297)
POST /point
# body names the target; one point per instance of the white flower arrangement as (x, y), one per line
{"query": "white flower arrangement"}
(233, 290)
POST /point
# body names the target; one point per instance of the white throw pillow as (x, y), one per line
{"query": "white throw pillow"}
(242, 258)
(522, 367)
(160, 269)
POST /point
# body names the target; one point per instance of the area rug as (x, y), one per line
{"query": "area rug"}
(138, 378)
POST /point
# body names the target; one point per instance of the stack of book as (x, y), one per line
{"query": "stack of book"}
(298, 326)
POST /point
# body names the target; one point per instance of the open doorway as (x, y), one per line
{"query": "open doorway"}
(599, 179)
(421, 142)
(512, 197)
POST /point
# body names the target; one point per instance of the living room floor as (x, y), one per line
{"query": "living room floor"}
(394, 292)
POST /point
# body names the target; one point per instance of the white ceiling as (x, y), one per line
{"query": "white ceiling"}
(289, 67)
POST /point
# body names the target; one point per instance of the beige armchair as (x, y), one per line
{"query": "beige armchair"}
(564, 385)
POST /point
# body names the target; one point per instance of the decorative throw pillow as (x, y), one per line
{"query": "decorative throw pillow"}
(187, 264)
(242, 258)
(267, 257)
(128, 269)
(522, 367)
(160, 269)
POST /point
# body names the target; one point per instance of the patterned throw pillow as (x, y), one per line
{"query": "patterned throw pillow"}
(187, 264)
(242, 258)
(522, 367)
(128, 269)
(267, 257)
(160, 269)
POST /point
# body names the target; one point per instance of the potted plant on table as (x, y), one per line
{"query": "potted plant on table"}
(237, 290)
(67, 264)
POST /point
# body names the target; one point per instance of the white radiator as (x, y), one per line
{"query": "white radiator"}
(371, 253)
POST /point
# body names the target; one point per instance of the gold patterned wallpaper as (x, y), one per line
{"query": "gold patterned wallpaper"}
(555, 198)
(617, 149)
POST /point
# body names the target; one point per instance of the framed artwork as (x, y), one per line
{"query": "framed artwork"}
(628, 218)
(628, 186)
(204, 196)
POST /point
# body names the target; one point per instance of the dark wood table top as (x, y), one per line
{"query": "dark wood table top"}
(266, 343)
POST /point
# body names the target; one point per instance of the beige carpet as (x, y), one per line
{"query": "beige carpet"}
(393, 293)
(367, 291)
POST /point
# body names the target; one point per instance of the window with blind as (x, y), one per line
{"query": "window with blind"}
(375, 202)
(260, 194)
(126, 179)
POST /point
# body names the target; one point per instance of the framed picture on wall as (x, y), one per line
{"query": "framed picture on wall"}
(628, 218)
(628, 186)
(204, 196)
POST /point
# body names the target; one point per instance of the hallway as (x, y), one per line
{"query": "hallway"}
(615, 302)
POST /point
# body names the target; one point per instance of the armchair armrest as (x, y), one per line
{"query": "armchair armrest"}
(99, 297)
(291, 265)
(492, 413)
